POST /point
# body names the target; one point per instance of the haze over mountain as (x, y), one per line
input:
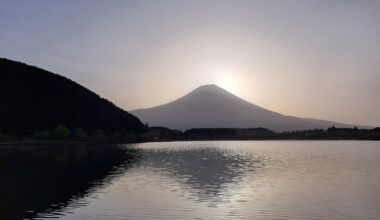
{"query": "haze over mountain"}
(33, 99)
(210, 106)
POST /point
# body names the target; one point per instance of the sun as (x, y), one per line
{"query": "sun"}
(229, 81)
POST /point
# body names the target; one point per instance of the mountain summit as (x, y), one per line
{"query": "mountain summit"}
(210, 106)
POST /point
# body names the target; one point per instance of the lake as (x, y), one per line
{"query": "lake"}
(192, 180)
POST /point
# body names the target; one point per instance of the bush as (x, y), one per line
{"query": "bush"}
(80, 133)
(61, 131)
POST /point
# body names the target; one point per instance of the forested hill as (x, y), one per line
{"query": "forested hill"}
(32, 99)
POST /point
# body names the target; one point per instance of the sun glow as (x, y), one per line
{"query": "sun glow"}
(229, 81)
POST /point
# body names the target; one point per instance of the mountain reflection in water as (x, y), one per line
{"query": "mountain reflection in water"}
(46, 181)
(205, 171)
(211, 180)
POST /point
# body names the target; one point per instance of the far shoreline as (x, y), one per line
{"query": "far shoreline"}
(104, 142)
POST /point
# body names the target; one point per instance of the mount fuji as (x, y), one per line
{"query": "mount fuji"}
(210, 106)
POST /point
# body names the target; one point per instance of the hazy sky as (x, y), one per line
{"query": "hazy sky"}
(316, 58)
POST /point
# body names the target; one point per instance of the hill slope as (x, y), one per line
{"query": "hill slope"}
(210, 106)
(35, 99)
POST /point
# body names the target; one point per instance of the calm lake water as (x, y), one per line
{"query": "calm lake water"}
(192, 180)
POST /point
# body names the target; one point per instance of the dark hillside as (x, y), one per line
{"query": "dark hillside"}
(32, 99)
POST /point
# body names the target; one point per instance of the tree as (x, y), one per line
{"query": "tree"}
(61, 131)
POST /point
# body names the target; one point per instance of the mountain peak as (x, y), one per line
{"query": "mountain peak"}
(208, 86)
(210, 89)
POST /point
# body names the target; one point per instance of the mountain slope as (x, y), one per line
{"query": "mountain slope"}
(35, 99)
(210, 106)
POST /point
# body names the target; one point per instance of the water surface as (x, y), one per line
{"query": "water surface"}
(192, 180)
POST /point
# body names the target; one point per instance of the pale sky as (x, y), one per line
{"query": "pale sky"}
(316, 58)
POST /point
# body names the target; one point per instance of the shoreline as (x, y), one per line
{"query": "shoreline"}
(42, 142)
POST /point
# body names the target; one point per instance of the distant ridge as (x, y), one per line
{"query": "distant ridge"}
(33, 99)
(210, 106)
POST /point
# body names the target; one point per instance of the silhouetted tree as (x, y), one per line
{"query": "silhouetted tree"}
(61, 131)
